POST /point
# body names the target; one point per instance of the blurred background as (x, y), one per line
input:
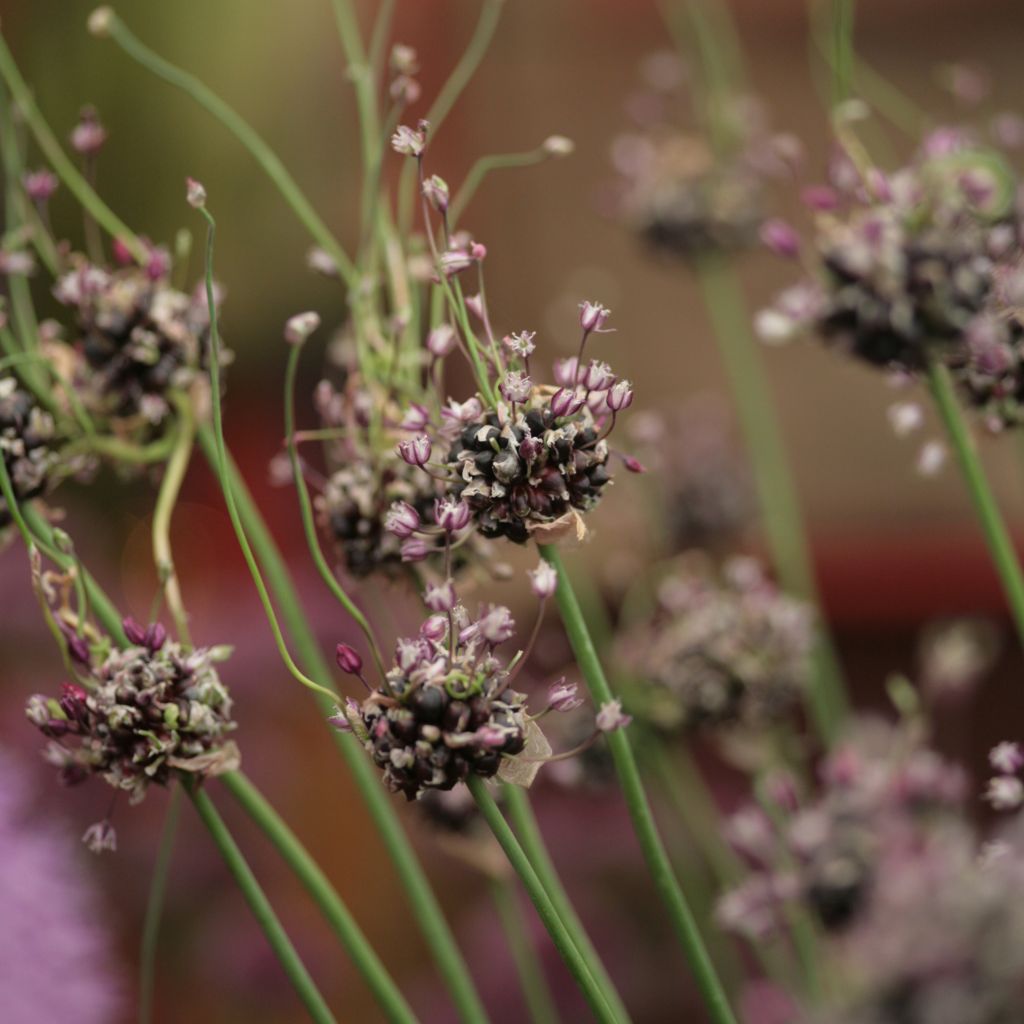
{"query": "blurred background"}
(894, 549)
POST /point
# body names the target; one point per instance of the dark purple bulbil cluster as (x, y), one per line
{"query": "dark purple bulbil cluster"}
(446, 710)
(28, 440)
(923, 264)
(139, 714)
(138, 338)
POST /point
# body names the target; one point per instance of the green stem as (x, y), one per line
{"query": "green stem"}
(59, 161)
(637, 804)
(308, 872)
(258, 149)
(481, 169)
(536, 991)
(155, 907)
(308, 519)
(994, 527)
(842, 50)
(575, 960)
(780, 509)
(425, 908)
(262, 910)
(528, 832)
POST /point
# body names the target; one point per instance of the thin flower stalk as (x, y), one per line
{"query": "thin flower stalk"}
(574, 959)
(308, 872)
(993, 525)
(260, 906)
(644, 826)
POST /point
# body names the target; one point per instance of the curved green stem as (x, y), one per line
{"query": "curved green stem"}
(528, 832)
(155, 907)
(637, 804)
(170, 488)
(308, 872)
(259, 150)
(59, 161)
(481, 169)
(308, 519)
(262, 910)
(992, 523)
(575, 960)
(536, 992)
(776, 492)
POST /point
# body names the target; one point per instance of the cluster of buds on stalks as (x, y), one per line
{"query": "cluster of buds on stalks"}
(883, 795)
(693, 191)
(725, 649)
(29, 444)
(138, 715)
(917, 265)
(136, 340)
(447, 708)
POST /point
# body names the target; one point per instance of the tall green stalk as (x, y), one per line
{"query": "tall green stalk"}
(637, 803)
(308, 872)
(528, 833)
(779, 506)
(262, 910)
(992, 523)
(577, 962)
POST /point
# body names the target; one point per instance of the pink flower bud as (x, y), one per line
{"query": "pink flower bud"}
(478, 251)
(475, 304)
(820, 197)
(195, 194)
(1007, 758)
(543, 580)
(435, 191)
(611, 717)
(40, 185)
(434, 629)
(416, 452)
(401, 519)
(634, 465)
(299, 327)
(781, 238)
(416, 418)
(620, 396)
(593, 316)
(451, 514)
(566, 402)
(348, 659)
(414, 549)
(440, 597)
(88, 136)
(441, 340)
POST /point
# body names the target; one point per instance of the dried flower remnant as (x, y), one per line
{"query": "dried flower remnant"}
(690, 192)
(724, 649)
(138, 340)
(137, 716)
(57, 955)
(28, 443)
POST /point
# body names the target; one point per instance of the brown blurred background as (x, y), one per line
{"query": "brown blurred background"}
(893, 549)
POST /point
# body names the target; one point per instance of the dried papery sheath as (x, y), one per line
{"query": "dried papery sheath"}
(29, 444)
(137, 716)
(725, 649)
(137, 339)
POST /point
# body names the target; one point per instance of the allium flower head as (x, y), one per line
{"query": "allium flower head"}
(142, 714)
(724, 649)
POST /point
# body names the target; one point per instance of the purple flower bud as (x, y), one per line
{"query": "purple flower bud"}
(451, 514)
(475, 304)
(441, 340)
(158, 262)
(597, 376)
(408, 141)
(417, 451)
(40, 185)
(72, 701)
(781, 238)
(543, 580)
(478, 251)
(414, 549)
(434, 629)
(195, 194)
(564, 696)
(566, 371)
(1006, 757)
(401, 519)
(593, 316)
(620, 396)
(416, 418)
(440, 597)
(878, 185)
(88, 136)
(634, 465)
(135, 633)
(435, 190)
(299, 327)
(516, 387)
(566, 402)
(348, 659)
(611, 717)
(78, 648)
(155, 638)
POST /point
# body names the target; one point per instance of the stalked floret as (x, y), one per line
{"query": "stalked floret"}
(724, 649)
(138, 715)
(138, 338)
(530, 463)
(28, 442)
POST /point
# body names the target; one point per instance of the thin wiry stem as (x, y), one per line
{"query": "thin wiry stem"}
(637, 803)
(481, 169)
